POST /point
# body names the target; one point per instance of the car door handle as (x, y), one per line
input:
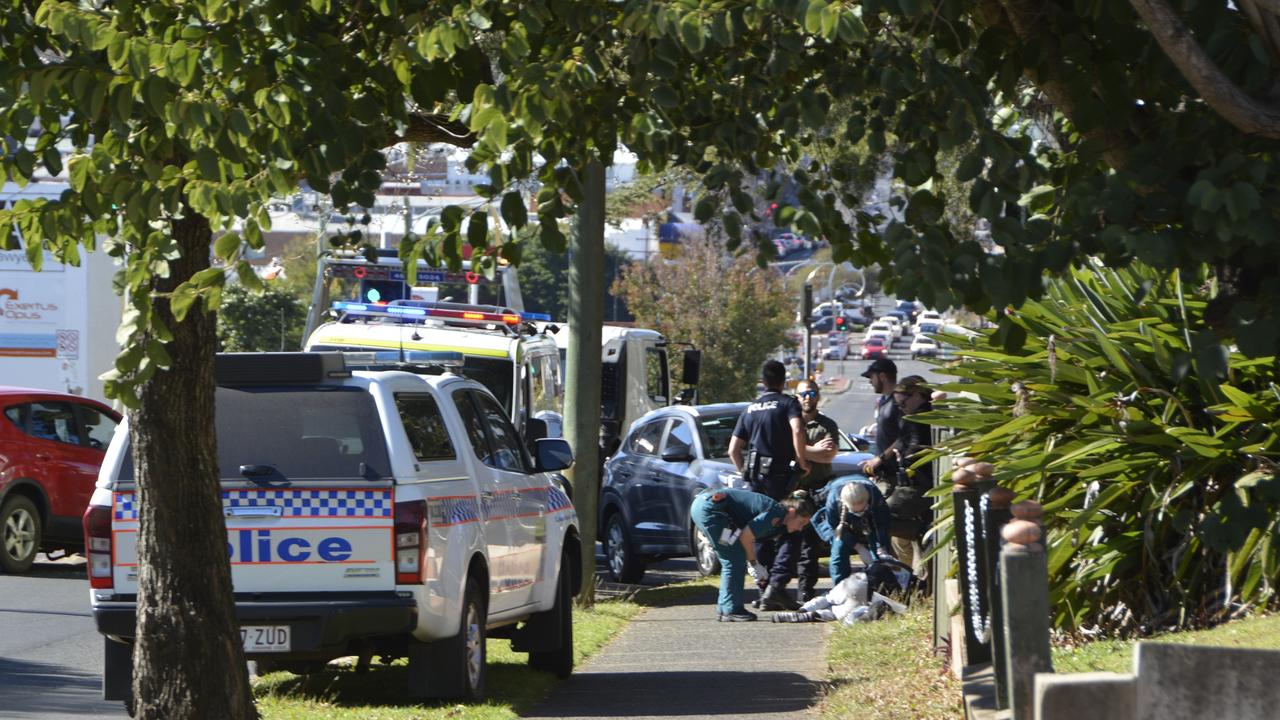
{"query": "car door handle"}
(43, 456)
(486, 495)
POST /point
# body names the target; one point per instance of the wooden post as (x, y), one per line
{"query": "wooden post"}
(997, 516)
(1024, 588)
(968, 530)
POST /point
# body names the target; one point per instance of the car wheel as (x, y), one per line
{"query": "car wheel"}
(559, 662)
(704, 553)
(620, 556)
(19, 534)
(453, 668)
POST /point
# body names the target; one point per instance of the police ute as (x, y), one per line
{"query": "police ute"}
(376, 505)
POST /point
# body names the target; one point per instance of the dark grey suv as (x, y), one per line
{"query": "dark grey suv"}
(669, 456)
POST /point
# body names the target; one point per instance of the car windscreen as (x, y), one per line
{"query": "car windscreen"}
(320, 432)
(716, 432)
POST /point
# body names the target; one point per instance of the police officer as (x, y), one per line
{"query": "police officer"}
(855, 518)
(767, 441)
(735, 520)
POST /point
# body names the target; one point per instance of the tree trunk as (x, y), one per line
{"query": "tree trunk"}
(188, 662)
(582, 392)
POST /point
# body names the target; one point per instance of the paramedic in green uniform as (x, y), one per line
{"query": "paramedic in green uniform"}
(734, 520)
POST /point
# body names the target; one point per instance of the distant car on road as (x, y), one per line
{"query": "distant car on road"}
(874, 347)
(895, 323)
(882, 329)
(51, 445)
(670, 455)
(909, 309)
(923, 346)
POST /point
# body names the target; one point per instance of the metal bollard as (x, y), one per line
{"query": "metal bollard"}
(996, 517)
(1024, 591)
(969, 550)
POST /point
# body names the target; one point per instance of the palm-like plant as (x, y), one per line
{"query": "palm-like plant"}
(1152, 447)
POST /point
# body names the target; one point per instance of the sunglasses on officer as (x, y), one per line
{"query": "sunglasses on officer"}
(807, 393)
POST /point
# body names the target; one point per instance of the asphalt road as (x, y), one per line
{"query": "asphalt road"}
(50, 654)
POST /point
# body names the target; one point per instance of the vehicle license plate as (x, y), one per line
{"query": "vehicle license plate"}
(265, 638)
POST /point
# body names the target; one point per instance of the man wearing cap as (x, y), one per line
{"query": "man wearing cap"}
(768, 440)
(909, 506)
(882, 373)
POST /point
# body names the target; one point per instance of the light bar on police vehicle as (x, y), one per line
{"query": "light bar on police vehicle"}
(420, 310)
(376, 358)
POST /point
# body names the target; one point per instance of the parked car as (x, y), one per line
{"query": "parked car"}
(923, 346)
(851, 451)
(874, 347)
(51, 445)
(670, 455)
(367, 511)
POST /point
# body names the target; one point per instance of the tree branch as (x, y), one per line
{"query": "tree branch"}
(437, 128)
(1246, 113)
(1030, 23)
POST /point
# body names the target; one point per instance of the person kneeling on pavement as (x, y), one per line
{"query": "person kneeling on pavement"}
(855, 518)
(734, 520)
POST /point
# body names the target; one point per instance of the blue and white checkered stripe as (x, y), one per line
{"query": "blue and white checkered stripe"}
(293, 503)
(453, 511)
(557, 500)
(124, 506)
(315, 503)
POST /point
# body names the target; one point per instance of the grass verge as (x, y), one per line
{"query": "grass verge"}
(1117, 655)
(887, 670)
(339, 693)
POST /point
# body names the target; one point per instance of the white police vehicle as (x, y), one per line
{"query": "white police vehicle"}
(368, 512)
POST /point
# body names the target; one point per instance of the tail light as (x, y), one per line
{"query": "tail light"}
(97, 545)
(411, 541)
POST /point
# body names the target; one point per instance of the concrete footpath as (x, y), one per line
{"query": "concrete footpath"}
(677, 661)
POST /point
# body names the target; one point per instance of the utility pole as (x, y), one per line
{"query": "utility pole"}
(582, 392)
(806, 316)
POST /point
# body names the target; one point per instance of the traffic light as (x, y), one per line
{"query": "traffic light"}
(806, 307)
(381, 291)
(839, 324)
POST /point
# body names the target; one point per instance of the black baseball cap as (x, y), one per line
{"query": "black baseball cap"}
(881, 365)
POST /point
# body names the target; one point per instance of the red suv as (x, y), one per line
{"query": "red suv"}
(51, 445)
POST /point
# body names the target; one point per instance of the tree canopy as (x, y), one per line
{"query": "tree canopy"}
(737, 319)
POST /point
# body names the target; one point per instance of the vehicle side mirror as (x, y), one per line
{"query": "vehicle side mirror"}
(676, 454)
(552, 454)
(692, 363)
(687, 396)
(535, 429)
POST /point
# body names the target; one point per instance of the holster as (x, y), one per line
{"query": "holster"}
(758, 467)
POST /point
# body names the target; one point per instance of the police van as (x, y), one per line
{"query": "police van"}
(376, 511)
(500, 348)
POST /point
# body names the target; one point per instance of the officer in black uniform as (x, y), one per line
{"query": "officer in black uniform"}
(768, 448)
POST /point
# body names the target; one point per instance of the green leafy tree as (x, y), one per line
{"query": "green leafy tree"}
(737, 320)
(271, 320)
(185, 118)
(544, 282)
(1159, 480)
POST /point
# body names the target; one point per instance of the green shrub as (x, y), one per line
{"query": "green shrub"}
(1151, 446)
